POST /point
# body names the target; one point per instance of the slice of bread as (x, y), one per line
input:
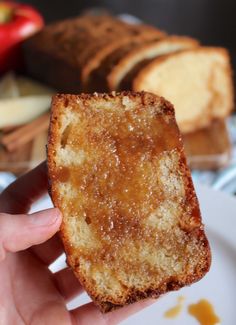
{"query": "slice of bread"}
(98, 80)
(198, 82)
(132, 32)
(131, 222)
(146, 52)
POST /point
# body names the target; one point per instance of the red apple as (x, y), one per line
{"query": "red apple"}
(17, 22)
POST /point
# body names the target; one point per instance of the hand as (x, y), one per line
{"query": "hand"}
(29, 292)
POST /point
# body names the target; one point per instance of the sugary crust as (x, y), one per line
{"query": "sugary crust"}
(141, 52)
(193, 229)
(65, 38)
(189, 126)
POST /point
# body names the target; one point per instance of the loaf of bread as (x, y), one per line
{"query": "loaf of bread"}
(197, 81)
(144, 52)
(63, 53)
(131, 225)
(103, 53)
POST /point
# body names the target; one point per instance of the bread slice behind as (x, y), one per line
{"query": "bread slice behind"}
(99, 77)
(131, 222)
(108, 45)
(197, 81)
(144, 52)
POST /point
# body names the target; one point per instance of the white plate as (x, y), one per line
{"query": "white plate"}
(218, 286)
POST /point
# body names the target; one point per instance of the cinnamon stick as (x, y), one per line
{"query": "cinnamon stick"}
(8, 129)
(24, 134)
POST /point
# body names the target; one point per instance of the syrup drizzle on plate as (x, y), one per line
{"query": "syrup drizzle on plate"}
(204, 313)
(176, 310)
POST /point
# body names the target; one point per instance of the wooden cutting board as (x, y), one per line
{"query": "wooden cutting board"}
(206, 149)
(209, 148)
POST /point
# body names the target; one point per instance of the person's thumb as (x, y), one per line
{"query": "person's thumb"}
(18, 232)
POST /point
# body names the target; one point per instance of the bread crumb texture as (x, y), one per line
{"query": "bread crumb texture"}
(198, 82)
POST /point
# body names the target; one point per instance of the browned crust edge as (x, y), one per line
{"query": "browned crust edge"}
(172, 284)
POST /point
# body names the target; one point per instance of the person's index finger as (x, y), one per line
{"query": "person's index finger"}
(19, 196)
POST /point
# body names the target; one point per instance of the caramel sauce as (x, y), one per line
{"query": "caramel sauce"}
(176, 310)
(118, 186)
(204, 313)
(62, 174)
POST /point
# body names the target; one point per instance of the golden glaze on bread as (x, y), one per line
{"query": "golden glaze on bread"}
(131, 222)
(198, 82)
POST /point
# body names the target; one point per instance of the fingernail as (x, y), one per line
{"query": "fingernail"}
(46, 217)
